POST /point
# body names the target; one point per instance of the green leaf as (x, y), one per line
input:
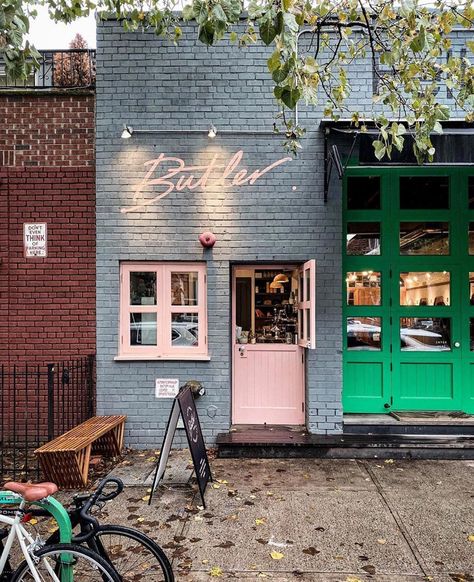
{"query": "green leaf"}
(206, 34)
(280, 74)
(268, 30)
(218, 13)
(274, 62)
(419, 42)
(379, 149)
(188, 12)
(290, 97)
(290, 21)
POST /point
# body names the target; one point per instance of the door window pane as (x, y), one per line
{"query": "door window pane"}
(471, 288)
(420, 193)
(471, 238)
(363, 238)
(424, 238)
(142, 288)
(363, 288)
(425, 334)
(308, 324)
(184, 288)
(425, 288)
(470, 189)
(184, 329)
(364, 333)
(471, 326)
(363, 193)
(143, 329)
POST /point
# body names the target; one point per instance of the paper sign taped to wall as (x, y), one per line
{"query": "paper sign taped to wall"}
(166, 387)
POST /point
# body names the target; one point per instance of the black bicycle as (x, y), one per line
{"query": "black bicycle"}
(132, 554)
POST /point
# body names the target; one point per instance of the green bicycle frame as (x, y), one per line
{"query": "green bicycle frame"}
(60, 515)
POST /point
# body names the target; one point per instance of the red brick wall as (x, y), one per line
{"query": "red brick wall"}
(47, 306)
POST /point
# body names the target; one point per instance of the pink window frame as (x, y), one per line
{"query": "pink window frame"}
(307, 305)
(163, 309)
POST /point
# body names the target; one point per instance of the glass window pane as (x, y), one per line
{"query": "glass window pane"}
(471, 288)
(142, 288)
(363, 193)
(308, 324)
(425, 288)
(300, 287)
(471, 238)
(364, 333)
(363, 288)
(308, 285)
(426, 334)
(143, 329)
(184, 330)
(424, 238)
(424, 192)
(471, 326)
(363, 238)
(184, 288)
(470, 186)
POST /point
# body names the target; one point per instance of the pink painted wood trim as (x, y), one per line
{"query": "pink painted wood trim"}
(278, 415)
(163, 310)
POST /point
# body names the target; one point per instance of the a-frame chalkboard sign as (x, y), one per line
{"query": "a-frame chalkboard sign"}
(185, 406)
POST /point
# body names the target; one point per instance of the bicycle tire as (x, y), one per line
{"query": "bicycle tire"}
(125, 556)
(98, 569)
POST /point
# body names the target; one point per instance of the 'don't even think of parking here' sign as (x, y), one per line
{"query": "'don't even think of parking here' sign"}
(35, 239)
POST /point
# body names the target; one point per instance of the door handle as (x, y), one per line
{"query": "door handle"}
(457, 344)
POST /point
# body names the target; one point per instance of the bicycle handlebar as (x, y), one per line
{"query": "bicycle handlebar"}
(89, 523)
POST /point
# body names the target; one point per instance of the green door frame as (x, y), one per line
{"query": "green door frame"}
(385, 380)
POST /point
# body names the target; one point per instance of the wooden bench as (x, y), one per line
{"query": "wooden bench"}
(65, 460)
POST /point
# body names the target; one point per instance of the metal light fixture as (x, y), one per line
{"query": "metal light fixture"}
(127, 132)
(276, 285)
(281, 278)
(212, 131)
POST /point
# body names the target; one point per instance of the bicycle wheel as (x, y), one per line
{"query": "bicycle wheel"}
(134, 555)
(53, 565)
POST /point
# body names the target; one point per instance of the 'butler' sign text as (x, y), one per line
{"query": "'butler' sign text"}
(178, 176)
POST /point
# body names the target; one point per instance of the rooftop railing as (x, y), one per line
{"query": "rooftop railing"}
(59, 69)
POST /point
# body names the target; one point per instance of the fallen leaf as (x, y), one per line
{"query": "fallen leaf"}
(146, 498)
(140, 519)
(353, 579)
(215, 572)
(381, 541)
(269, 493)
(369, 569)
(204, 561)
(260, 521)
(225, 545)
(277, 555)
(216, 486)
(33, 521)
(389, 461)
(222, 481)
(471, 538)
(311, 551)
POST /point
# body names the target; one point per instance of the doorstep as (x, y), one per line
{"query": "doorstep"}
(421, 423)
(265, 441)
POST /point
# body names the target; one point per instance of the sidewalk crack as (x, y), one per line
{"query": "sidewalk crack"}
(398, 520)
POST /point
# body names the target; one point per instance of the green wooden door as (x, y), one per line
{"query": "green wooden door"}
(408, 283)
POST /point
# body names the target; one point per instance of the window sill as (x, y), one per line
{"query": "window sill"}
(138, 358)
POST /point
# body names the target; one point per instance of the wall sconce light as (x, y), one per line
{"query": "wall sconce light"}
(212, 132)
(127, 132)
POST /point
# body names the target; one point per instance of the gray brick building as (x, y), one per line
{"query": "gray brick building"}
(170, 96)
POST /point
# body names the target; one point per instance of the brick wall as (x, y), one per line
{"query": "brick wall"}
(47, 174)
(282, 217)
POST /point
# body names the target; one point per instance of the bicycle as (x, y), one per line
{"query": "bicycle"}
(60, 562)
(132, 554)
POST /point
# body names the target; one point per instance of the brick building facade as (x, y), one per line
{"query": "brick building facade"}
(47, 175)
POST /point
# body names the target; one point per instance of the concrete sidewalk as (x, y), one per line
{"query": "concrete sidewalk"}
(307, 519)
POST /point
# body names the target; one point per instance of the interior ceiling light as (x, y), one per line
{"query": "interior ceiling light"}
(281, 278)
(212, 132)
(127, 132)
(276, 285)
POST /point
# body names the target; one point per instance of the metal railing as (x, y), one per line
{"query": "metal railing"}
(59, 69)
(38, 402)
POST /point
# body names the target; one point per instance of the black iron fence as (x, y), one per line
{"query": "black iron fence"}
(66, 69)
(37, 403)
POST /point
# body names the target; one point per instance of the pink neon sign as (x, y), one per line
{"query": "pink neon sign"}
(178, 176)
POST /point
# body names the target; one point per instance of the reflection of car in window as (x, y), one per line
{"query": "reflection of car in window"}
(184, 333)
(425, 335)
(362, 336)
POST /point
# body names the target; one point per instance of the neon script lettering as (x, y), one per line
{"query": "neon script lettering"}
(179, 177)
